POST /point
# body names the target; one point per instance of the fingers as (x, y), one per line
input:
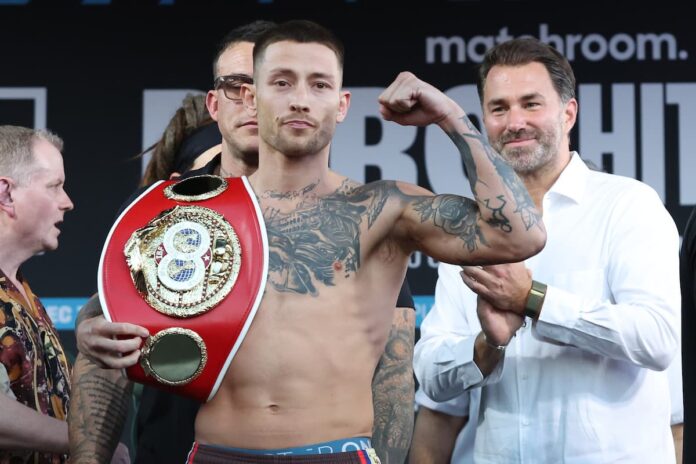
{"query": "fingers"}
(100, 326)
(110, 344)
(110, 360)
(117, 329)
(477, 279)
(119, 346)
(400, 96)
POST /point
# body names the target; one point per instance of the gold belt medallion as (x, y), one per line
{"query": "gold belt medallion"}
(185, 261)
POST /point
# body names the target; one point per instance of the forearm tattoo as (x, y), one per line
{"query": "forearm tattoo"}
(523, 203)
(393, 391)
(98, 410)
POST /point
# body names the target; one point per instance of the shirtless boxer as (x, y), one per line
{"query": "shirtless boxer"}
(339, 252)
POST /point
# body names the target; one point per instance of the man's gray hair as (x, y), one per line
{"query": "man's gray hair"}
(17, 150)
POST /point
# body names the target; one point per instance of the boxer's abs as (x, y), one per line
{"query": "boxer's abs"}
(296, 380)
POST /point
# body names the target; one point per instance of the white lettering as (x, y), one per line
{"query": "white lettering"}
(593, 46)
(571, 41)
(60, 315)
(656, 41)
(445, 45)
(683, 95)
(350, 446)
(620, 143)
(432, 263)
(622, 47)
(414, 261)
(652, 139)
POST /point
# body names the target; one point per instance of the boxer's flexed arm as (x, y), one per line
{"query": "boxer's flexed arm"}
(502, 224)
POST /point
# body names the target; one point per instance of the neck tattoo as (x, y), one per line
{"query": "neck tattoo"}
(290, 195)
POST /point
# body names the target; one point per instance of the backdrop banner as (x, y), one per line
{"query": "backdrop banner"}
(108, 75)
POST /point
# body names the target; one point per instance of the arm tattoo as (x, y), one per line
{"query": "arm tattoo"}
(524, 205)
(523, 201)
(393, 391)
(320, 239)
(98, 410)
(454, 215)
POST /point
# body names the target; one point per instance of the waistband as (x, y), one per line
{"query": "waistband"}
(210, 454)
(327, 447)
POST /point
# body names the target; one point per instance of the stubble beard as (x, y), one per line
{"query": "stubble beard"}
(526, 160)
(296, 147)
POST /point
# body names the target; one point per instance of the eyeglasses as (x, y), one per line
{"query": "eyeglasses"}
(231, 84)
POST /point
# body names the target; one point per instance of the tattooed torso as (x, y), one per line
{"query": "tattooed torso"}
(311, 352)
(335, 268)
(319, 241)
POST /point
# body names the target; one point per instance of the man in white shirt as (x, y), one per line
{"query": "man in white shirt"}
(567, 346)
(445, 431)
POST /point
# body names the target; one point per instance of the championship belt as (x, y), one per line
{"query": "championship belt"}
(188, 261)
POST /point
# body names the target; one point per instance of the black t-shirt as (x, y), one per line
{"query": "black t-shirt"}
(165, 422)
(687, 275)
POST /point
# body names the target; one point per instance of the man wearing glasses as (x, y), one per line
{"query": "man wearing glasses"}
(165, 421)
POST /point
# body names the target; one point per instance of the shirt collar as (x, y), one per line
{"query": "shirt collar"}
(573, 180)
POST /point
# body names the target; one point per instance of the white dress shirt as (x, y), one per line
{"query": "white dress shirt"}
(583, 384)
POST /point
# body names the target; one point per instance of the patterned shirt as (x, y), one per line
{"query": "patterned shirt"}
(35, 363)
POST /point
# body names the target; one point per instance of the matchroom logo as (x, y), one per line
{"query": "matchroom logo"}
(589, 46)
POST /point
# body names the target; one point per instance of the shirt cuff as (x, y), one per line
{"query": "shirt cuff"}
(454, 371)
(561, 311)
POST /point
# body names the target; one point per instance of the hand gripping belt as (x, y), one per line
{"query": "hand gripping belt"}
(188, 261)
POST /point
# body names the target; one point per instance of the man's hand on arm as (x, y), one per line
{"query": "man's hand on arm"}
(393, 391)
(505, 286)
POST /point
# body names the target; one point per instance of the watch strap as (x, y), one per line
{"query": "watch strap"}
(535, 299)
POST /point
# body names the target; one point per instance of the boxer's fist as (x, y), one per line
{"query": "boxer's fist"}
(410, 101)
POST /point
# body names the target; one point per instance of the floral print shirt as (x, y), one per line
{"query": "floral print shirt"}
(35, 363)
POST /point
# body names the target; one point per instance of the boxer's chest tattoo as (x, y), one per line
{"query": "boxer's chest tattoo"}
(318, 241)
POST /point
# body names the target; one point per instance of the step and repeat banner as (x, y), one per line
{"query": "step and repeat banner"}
(108, 75)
